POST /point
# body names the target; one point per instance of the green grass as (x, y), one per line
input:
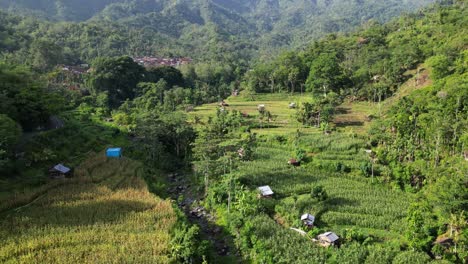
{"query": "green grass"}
(105, 214)
(351, 117)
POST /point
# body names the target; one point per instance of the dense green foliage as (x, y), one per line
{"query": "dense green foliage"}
(370, 63)
(392, 189)
(203, 29)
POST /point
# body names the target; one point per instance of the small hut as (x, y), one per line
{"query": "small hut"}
(235, 92)
(294, 162)
(308, 220)
(292, 105)
(265, 191)
(114, 153)
(60, 171)
(223, 104)
(261, 108)
(328, 239)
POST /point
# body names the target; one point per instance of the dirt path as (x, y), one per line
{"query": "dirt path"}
(223, 244)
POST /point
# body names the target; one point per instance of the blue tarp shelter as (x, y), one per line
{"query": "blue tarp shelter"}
(114, 152)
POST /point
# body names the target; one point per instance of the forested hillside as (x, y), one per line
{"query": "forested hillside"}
(223, 25)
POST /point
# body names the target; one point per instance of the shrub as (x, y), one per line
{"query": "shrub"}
(319, 193)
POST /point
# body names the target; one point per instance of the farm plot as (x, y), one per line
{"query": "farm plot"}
(353, 201)
(107, 215)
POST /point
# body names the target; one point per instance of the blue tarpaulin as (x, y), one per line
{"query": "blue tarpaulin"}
(114, 152)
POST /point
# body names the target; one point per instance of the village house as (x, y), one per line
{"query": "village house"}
(328, 239)
(265, 191)
(76, 70)
(157, 62)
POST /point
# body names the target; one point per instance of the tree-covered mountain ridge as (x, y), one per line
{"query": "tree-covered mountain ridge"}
(271, 24)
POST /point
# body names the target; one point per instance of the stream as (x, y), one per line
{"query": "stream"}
(223, 245)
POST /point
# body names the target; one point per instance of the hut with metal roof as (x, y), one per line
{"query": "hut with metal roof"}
(265, 191)
(328, 239)
(308, 220)
(60, 171)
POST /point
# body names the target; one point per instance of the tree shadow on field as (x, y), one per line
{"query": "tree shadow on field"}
(349, 123)
(78, 213)
(342, 110)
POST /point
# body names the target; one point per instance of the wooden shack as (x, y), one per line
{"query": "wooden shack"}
(265, 191)
(60, 171)
(294, 162)
(308, 220)
(328, 239)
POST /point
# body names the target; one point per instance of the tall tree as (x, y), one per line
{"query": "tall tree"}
(325, 74)
(117, 76)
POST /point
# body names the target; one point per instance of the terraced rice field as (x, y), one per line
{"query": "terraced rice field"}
(353, 201)
(349, 118)
(104, 215)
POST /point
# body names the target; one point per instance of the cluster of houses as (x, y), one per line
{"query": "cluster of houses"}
(157, 61)
(326, 239)
(76, 70)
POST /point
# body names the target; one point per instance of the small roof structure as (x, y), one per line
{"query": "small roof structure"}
(114, 152)
(308, 217)
(61, 168)
(329, 237)
(265, 190)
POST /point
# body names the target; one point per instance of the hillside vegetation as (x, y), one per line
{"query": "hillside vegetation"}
(203, 29)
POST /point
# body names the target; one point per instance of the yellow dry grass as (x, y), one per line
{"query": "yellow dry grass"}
(104, 215)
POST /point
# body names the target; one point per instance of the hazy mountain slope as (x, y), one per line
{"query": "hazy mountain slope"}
(266, 25)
